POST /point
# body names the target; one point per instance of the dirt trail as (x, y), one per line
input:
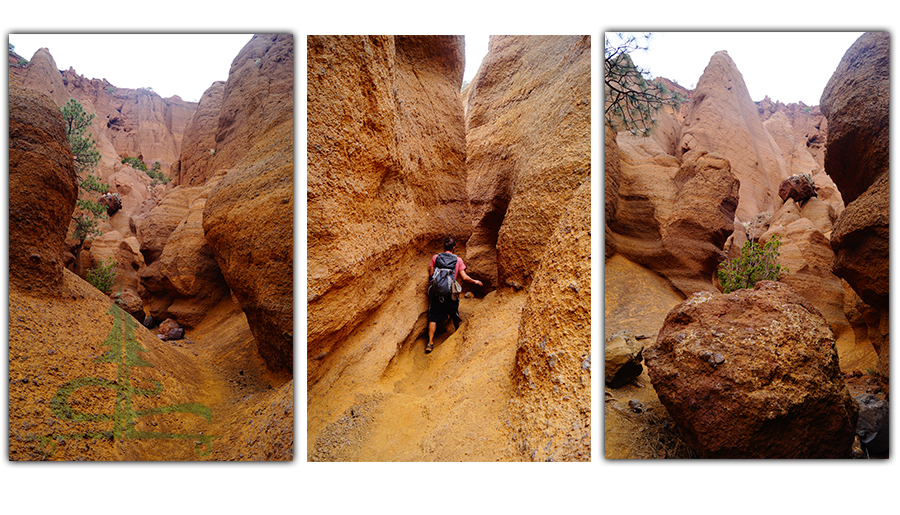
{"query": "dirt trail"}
(449, 405)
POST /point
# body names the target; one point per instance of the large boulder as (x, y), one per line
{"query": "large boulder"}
(553, 367)
(723, 119)
(856, 102)
(248, 217)
(873, 427)
(42, 190)
(753, 374)
(799, 188)
(386, 175)
(528, 149)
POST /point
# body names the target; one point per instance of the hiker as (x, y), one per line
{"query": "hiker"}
(443, 291)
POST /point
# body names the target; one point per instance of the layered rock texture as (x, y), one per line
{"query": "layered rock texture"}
(856, 103)
(519, 185)
(753, 374)
(386, 177)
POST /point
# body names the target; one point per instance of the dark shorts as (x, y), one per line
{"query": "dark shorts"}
(439, 312)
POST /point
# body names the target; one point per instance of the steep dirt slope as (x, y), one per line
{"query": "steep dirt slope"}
(404, 405)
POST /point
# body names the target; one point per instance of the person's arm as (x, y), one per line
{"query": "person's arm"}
(465, 276)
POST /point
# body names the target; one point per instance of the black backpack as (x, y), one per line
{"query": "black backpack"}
(442, 278)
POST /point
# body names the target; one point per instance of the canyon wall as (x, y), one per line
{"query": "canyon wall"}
(248, 218)
(856, 102)
(386, 176)
(552, 406)
(527, 150)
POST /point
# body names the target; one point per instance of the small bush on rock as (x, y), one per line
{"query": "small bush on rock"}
(103, 275)
(756, 263)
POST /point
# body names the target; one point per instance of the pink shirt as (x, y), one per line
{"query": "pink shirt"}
(459, 265)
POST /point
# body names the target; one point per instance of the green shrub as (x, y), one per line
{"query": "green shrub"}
(103, 275)
(756, 263)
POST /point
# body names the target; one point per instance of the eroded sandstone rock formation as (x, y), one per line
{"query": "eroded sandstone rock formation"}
(386, 177)
(553, 361)
(42, 189)
(248, 217)
(722, 118)
(528, 149)
(753, 374)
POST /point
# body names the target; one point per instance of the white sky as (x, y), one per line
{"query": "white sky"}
(476, 49)
(786, 66)
(172, 64)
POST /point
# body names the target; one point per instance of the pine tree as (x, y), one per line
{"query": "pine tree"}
(84, 151)
(632, 100)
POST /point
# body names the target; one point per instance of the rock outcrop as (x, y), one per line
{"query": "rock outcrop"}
(248, 217)
(723, 119)
(553, 361)
(528, 149)
(43, 75)
(856, 102)
(386, 177)
(42, 189)
(753, 374)
(624, 358)
(184, 280)
(199, 144)
(673, 218)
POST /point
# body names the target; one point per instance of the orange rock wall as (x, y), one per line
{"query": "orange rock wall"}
(528, 149)
(248, 216)
(42, 189)
(553, 367)
(386, 178)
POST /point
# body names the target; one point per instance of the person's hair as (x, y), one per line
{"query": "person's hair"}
(449, 243)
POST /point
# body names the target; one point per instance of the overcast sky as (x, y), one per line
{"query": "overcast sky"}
(476, 49)
(786, 66)
(171, 64)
